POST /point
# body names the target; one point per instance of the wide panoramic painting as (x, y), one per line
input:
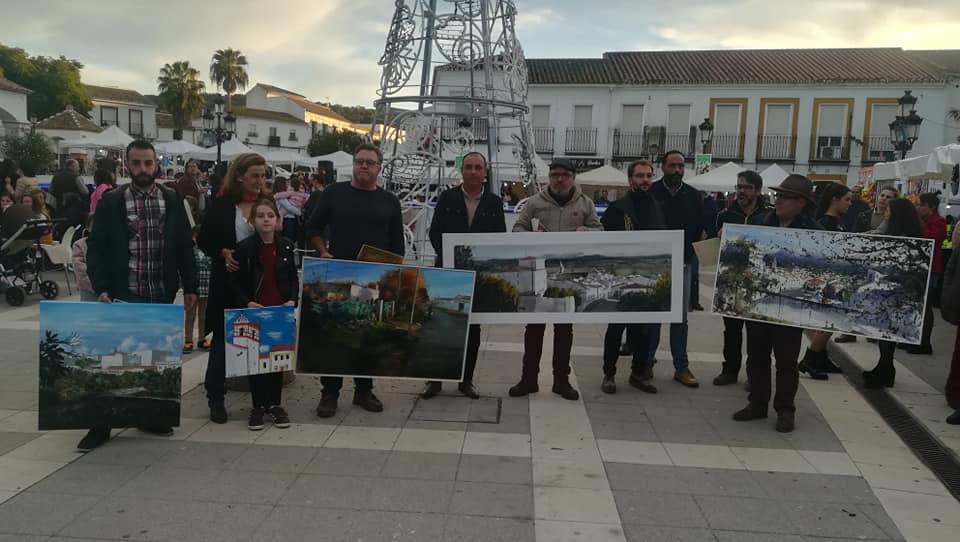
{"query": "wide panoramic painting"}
(575, 277)
(109, 365)
(383, 320)
(868, 285)
(259, 340)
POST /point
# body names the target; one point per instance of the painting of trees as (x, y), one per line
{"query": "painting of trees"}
(494, 294)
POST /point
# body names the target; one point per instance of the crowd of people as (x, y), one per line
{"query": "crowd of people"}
(234, 247)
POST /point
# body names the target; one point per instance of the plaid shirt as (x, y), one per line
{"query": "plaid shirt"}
(203, 272)
(146, 211)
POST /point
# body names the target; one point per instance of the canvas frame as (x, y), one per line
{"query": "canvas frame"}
(726, 233)
(555, 240)
(281, 311)
(301, 319)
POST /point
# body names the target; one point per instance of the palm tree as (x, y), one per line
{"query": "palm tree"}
(181, 92)
(228, 71)
(954, 114)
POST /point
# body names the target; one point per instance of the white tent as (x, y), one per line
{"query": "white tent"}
(289, 157)
(773, 176)
(341, 160)
(936, 165)
(228, 151)
(721, 179)
(110, 138)
(177, 148)
(603, 176)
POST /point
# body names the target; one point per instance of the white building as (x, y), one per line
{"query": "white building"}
(245, 356)
(131, 111)
(13, 107)
(821, 112)
(264, 130)
(530, 277)
(319, 118)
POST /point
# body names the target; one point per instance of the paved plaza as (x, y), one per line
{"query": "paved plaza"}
(623, 467)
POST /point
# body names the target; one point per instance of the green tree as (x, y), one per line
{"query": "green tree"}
(32, 149)
(494, 294)
(55, 82)
(333, 141)
(181, 93)
(228, 70)
(52, 357)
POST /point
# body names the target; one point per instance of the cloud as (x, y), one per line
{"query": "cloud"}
(528, 19)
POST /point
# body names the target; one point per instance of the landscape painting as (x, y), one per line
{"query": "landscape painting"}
(260, 340)
(869, 285)
(575, 277)
(383, 320)
(109, 365)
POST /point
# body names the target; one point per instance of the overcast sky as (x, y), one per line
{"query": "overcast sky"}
(328, 49)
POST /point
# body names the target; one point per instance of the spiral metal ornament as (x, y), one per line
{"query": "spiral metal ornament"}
(402, 52)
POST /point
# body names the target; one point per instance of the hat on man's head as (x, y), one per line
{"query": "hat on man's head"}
(564, 163)
(796, 185)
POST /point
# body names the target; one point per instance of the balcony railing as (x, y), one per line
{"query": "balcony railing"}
(877, 148)
(543, 139)
(629, 145)
(136, 129)
(726, 147)
(678, 142)
(824, 148)
(478, 127)
(581, 141)
(777, 148)
(273, 141)
(292, 137)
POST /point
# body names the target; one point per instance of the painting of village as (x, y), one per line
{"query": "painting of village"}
(109, 365)
(868, 285)
(576, 277)
(383, 320)
(260, 340)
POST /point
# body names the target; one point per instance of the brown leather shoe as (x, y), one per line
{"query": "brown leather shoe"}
(685, 377)
(367, 401)
(432, 389)
(468, 389)
(327, 407)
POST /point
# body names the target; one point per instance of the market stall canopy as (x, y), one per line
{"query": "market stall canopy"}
(289, 157)
(721, 179)
(341, 160)
(178, 148)
(603, 176)
(936, 165)
(229, 150)
(773, 176)
(111, 137)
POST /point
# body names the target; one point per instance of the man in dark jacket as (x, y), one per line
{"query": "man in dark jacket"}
(749, 208)
(66, 182)
(467, 208)
(682, 207)
(794, 199)
(141, 250)
(636, 210)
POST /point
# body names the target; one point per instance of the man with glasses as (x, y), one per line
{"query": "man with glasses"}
(749, 208)
(683, 210)
(561, 207)
(794, 200)
(356, 213)
(636, 210)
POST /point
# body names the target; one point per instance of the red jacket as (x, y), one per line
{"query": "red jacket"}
(935, 227)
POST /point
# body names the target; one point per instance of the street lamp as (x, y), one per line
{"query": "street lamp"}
(706, 133)
(220, 131)
(905, 128)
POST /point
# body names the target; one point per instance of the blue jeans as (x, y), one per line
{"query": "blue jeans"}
(678, 332)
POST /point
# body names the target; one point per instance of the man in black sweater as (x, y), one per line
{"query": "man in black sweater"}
(467, 208)
(683, 209)
(356, 213)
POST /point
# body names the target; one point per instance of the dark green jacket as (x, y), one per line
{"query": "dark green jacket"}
(108, 247)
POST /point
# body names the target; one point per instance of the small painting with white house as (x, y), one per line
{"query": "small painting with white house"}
(574, 277)
(260, 340)
(109, 364)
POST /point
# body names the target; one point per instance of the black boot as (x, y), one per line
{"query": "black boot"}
(826, 365)
(881, 376)
(809, 364)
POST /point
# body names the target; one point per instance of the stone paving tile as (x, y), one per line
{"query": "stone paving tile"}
(87, 479)
(403, 495)
(324, 491)
(649, 533)
(24, 538)
(744, 514)
(274, 459)
(253, 487)
(12, 440)
(202, 455)
(651, 508)
(42, 513)
(815, 487)
(497, 469)
(347, 462)
(294, 524)
(396, 526)
(832, 520)
(490, 499)
(421, 465)
(485, 529)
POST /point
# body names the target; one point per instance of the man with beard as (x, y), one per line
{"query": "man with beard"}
(683, 209)
(748, 209)
(634, 211)
(561, 207)
(141, 250)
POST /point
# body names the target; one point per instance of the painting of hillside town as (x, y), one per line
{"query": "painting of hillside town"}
(868, 285)
(260, 340)
(109, 365)
(575, 277)
(383, 320)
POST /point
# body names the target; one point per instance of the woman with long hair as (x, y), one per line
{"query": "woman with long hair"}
(835, 199)
(902, 221)
(227, 222)
(103, 180)
(38, 203)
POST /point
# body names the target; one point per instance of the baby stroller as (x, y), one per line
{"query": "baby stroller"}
(21, 258)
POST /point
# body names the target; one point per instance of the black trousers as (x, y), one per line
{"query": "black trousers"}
(473, 351)
(887, 351)
(215, 379)
(732, 345)
(784, 343)
(637, 338)
(333, 384)
(928, 311)
(266, 389)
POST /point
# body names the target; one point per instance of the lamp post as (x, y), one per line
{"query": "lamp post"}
(222, 131)
(905, 128)
(706, 134)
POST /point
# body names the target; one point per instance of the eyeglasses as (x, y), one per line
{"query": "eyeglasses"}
(745, 187)
(368, 163)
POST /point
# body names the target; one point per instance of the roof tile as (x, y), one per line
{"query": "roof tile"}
(111, 94)
(8, 85)
(68, 119)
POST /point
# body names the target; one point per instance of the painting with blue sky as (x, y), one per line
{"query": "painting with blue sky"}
(109, 364)
(260, 340)
(379, 320)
